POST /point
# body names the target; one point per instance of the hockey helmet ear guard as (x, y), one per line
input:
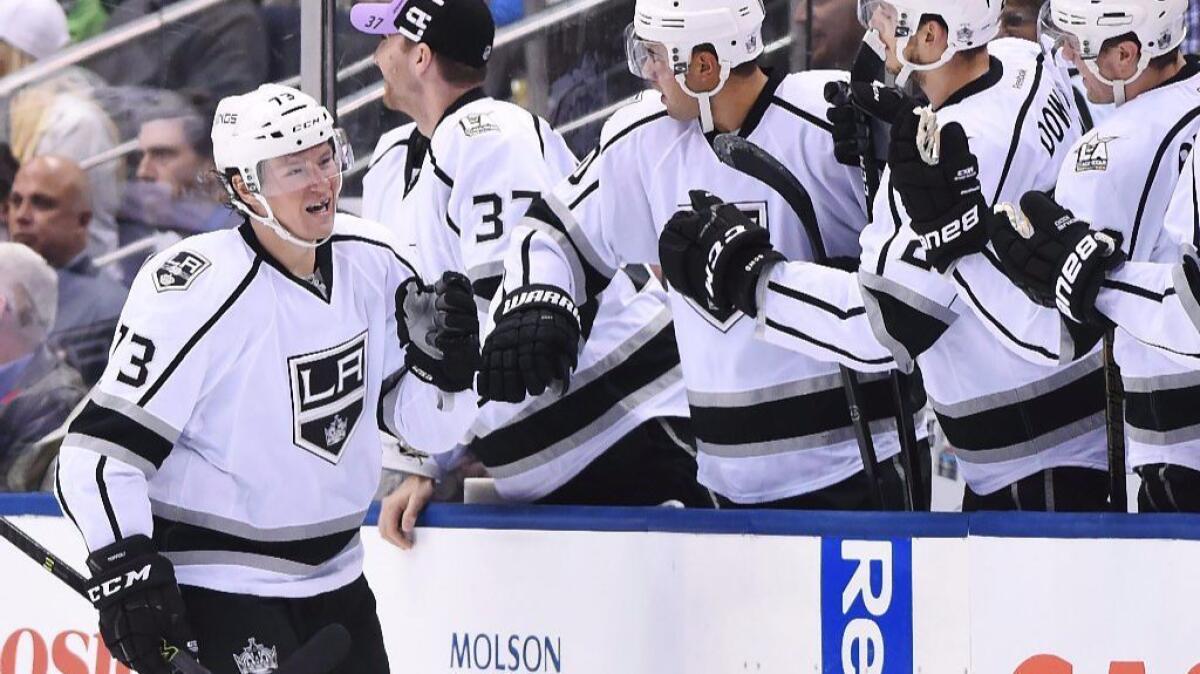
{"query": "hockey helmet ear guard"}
(969, 24)
(731, 28)
(1080, 28)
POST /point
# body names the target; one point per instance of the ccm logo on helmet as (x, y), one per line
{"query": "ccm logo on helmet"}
(114, 585)
(951, 230)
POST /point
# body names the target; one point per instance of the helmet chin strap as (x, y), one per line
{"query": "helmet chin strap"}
(1120, 97)
(273, 223)
(907, 68)
(705, 98)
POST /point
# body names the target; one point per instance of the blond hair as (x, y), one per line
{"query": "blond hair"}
(12, 59)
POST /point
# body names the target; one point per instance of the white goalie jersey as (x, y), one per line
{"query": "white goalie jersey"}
(237, 423)
(1008, 418)
(769, 423)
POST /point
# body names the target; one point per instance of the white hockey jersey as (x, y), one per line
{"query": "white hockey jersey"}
(237, 421)
(486, 162)
(1007, 418)
(769, 423)
(1122, 176)
(391, 173)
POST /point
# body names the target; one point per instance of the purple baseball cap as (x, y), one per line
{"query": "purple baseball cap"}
(462, 30)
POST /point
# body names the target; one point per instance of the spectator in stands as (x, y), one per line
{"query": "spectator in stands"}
(1020, 19)
(8, 171)
(835, 33)
(1191, 43)
(37, 389)
(220, 51)
(50, 211)
(30, 30)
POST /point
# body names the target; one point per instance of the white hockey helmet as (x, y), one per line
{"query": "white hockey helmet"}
(269, 123)
(1083, 26)
(969, 24)
(733, 28)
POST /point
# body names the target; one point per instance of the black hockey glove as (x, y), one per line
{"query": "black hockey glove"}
(439, 328)
(534, 344)
(945, 201)
(1061, 262)
(714, 254)
(141, 611)
(856, 106)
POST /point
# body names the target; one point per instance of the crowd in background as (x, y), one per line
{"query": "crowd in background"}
(78, 215)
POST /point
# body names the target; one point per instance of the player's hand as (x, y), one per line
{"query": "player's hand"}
(1058, 260)
(854, 107)
(439, 327)
(715, 255)
(141, 611)
(535, 343)
(399, 511)
(938, 181)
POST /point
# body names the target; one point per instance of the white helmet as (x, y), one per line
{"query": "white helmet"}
(733, 28)
(1085, 25)
(270, 122)
(969, 24)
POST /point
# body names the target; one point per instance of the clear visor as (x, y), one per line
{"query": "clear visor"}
(881, 16)
(644, 56)
(1061, 42)
(296, 172)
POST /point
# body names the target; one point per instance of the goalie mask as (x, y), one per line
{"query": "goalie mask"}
(1082, 27)
(268, 137)
(732, 28)
(969, 24)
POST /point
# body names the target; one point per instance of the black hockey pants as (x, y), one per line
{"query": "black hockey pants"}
(1168, 488)
(233, 627)
(1064, 489)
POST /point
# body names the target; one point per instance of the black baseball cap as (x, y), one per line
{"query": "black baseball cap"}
(462, 30)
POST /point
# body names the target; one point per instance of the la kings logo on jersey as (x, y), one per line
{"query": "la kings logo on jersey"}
(1093, 155)
(179, 272)
(725, 319)
(328, 388)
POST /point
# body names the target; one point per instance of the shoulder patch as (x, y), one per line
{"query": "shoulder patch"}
(1093, 154)
(178, 272)
(477, 124)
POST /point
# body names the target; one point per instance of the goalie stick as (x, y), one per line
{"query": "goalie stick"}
(750, 159)
(319, 655)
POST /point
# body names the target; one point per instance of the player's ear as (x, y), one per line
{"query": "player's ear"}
(1127, 53)
(705, 70)
(422, 58)
(932, 36)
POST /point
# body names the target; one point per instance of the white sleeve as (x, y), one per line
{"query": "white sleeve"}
(819, 312)
(1158, 304)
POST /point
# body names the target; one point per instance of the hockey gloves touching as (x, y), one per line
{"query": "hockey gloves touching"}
(439, 327)
(715, 255)
(535, 343)
(141, 611)
(938, 181)
(856, 106)
(1057, 260)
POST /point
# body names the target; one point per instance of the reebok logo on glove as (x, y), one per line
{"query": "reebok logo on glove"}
(1064, 287)
(951, 230)
(112, 586)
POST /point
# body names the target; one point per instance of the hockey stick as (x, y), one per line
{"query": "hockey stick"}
(319, 655)
(750, 159)
(1114, 424)
(868, 68)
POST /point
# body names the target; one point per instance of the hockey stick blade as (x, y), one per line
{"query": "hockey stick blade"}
(320, 654)
(181, 662)
(750, 159)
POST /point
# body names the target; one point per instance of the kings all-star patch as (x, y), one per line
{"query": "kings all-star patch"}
(477, 124)
(180, 271)
(328, 390)
(724, 319)
(1093, 154)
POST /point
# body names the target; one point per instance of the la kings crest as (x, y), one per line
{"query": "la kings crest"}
(179, 272)
(328, 390)
(725, 319)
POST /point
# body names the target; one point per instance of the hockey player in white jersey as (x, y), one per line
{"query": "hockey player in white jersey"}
(229, 452)
(1027, 436)
(772, 426)
(1119, 177)
(605, 440)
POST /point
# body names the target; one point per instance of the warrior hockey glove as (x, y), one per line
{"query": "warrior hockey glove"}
(714, 254)
(855, 107)
(439, 328)
(141, 611)
(944, 198)
(1057, 260)
(534, 344)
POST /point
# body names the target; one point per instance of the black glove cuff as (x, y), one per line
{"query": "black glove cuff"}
(450, 375)
(538, 296)
(744, 275)
(129, 565)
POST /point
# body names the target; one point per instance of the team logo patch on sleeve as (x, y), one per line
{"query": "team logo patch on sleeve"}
(179, 272)
(1093, 155)
(328, 388)
(477, 125)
